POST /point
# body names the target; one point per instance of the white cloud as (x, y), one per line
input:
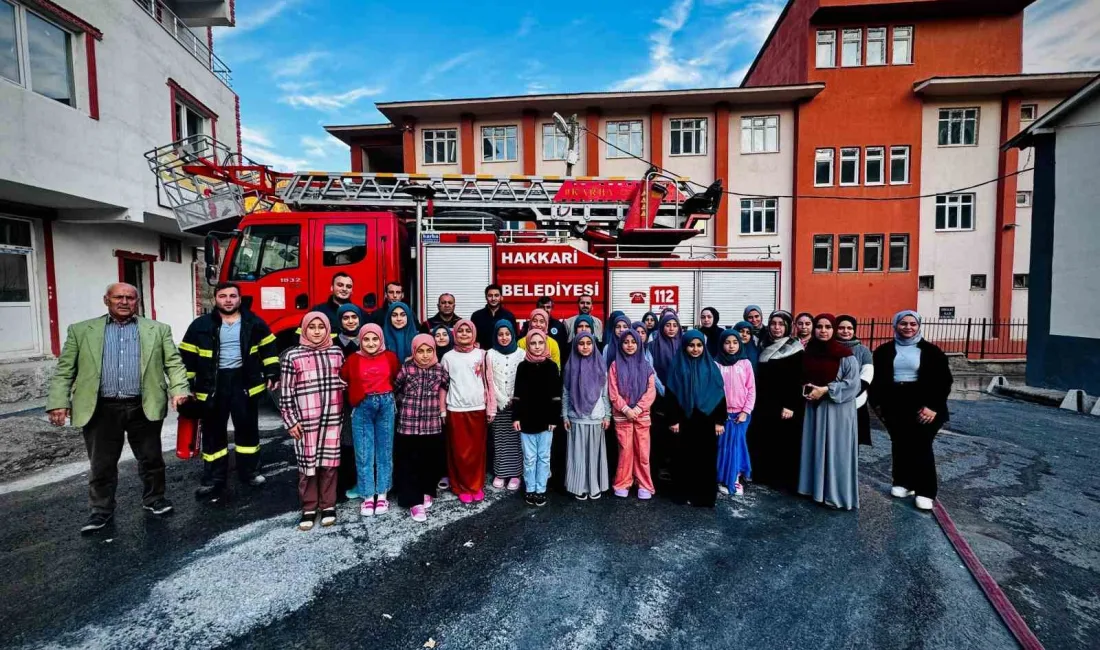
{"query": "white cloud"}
(330, 102)
(526, 25)
(1062, 36)
(664, 70)
(432, 72)
(255, 137)
(323, 147)
(312, 152)
(297, 65)
(267, 12)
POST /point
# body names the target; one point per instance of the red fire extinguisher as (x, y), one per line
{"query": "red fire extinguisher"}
(187, 433)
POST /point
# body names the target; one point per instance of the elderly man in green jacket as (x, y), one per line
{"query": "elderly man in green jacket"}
(110, 380)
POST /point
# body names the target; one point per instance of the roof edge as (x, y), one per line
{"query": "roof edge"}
(1046, 123)
(767, 41)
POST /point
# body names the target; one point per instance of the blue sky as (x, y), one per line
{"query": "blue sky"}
(301, 64)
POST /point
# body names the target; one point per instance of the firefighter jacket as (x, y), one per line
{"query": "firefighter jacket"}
(200, 347)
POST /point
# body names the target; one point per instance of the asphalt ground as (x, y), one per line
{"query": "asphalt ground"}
(765, 570)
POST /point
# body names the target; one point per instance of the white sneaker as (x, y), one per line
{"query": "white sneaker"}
(738, 489)
(723, 489)
(924, 503)
(900, 492)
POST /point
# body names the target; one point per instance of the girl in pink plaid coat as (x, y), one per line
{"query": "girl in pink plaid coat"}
(311, 403)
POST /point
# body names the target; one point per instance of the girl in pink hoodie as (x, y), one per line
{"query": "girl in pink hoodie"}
(740, 387)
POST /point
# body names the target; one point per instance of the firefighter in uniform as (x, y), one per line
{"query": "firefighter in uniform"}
(231, 360)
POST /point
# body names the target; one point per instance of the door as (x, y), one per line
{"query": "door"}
(462, 270)
(343, 244)
(269, 265)
(19, 331)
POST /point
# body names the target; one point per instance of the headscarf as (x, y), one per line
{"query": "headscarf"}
(854, 341)
(611, 344)
(440, 351)
(647, 315)
(695, 381)
(632, 371)
(821, 363)
(424, 339)
(862, 354)
(897, 319)
(511, 347)
(664, 349)
(305, 342)
(713, 333)
(473, 344)
(812, 321)
(531, 356)
(372, 328)
(348, 337)
(399, 340)
(615, 314)
(583, 318)
(778, 348)
(585, 377)
(751, 349)
(726, 359)
(757, 309)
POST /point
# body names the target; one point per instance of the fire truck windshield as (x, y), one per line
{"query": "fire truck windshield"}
(265, 249)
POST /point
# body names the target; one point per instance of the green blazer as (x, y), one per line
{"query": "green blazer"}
(75, 384)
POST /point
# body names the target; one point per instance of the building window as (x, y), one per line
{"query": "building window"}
(823, 167)
(689, 136)
(851, 51)
(826, 48)
(903, 45)
(189, 121)
(345, 243)
(899, 252)
(876, 46)
(977, 282)
(171, 250)
(899, 165)
(555, 144)
(1023, 199)
(624, 139)
(955, 212)
(926, 283)
(758, 216)
(872, 252)
(1028, 112)
(847, 258)
(498, 144)
(1019, 280)
(823, 253)
(440, 146)
(958, 126)
(849, 166)
(872, 165)
(36, 53)
(760, 134)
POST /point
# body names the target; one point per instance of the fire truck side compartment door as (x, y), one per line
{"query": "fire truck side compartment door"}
(730, 291)
(626, 284)
(460, 269)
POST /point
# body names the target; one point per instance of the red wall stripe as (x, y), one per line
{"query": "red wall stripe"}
(93, 77)
(51, 287)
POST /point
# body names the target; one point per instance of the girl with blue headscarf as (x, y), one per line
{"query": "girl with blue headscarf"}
(398, 329)
(749, 342)
(739, 384)
(349, 321)
(507, 447)
(696, 414)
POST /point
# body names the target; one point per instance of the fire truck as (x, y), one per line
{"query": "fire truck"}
(626, 242)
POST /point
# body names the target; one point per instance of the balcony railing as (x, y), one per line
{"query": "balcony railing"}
(198, 47)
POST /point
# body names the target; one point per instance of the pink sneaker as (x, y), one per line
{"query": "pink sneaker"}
(427, 502)
(367, 509)
(513, 484)
(738, 489)
(479, 495)
(466, 498)
(622, 493)
(644, 494)
(381, 507)
(498, 483)
(418, 513)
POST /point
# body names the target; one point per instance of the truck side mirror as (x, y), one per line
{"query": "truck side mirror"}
(211, 250)
(370, 301)
(211, 274)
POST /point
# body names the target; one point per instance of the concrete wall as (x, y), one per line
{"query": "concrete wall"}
(953, 256)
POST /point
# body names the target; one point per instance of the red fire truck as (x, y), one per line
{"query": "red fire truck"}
(625, 242)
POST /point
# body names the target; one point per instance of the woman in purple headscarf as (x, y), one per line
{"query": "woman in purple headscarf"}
(631, 384)
(586, 414)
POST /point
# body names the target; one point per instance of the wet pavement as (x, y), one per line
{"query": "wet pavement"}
(766, 570)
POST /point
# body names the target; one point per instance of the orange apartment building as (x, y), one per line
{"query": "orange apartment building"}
(878, 175)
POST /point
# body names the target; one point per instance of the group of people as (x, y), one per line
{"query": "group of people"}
(378, 404)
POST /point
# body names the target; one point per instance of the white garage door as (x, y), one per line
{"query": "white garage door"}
(731, 291)
(627, 283)
(463, 270)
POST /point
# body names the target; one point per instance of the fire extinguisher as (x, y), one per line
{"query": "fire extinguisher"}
(188, 432)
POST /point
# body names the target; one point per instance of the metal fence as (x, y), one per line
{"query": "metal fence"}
(976, 338)
(193, 43)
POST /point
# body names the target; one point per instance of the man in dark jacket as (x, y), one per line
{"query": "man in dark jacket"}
(231, 359)
(445, 316)
(486, 318)
(394, 293)
(341, 295)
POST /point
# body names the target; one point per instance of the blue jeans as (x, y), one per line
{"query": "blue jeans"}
(536, 460)
(372, 433)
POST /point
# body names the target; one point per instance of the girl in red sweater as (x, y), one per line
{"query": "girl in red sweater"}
(370, 373)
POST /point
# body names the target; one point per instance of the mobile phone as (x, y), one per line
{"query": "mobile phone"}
(806, 390)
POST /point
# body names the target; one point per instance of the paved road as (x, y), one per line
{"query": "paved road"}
(767, 570)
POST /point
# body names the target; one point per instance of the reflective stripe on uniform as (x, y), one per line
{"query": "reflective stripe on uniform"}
(201, 396)
(191, 375)
(254, 349)
(270, 360)
(270, 338)
(206, 353)
(216, 455)
(187, 347)
(256, 390)
(248, 450)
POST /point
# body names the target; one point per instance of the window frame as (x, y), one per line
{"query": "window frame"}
(1034, 112)
(909, 37)
(1026, 195)
(822, 242)
(747, 127)
(766, 204)
(182, 124)
(23, 51)
(885, 43)
(950, 119)
(979, 281)
(336, 226)
(262, 249)
(832, 165)
(854, 163)
(448, 134)
(845, 41)
(906, 151)
(511, 132)
(954, 203)
(849, 242)
(926, 283)
(879, 240)
(1021, 280)
(831, 42)
(868, 156)
(699, 132)
(556, 137)
(905, 245)
(614, 146)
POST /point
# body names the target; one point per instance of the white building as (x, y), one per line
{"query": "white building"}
(86, 88)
